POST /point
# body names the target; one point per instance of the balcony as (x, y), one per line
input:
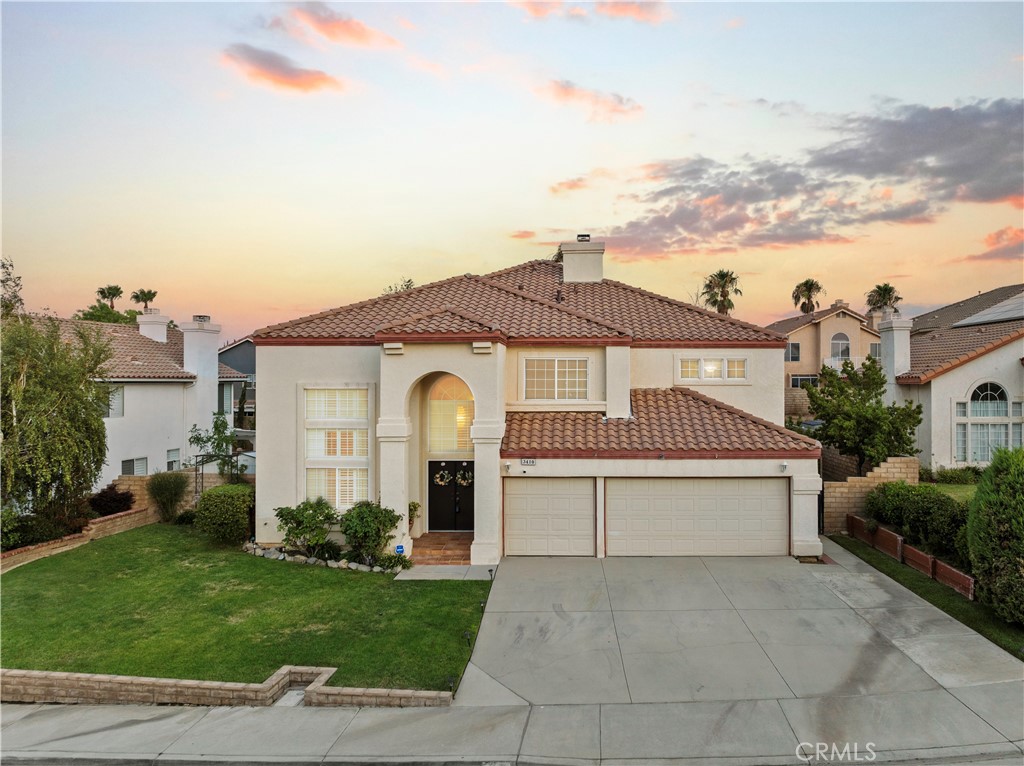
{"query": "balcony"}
(836, 362)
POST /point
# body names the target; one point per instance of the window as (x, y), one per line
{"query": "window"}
(450, 412)
(337, 445)
(711, 369)
(797, 381)
(138, 466)
(988, 421)
(689, 369)
(736, 369)
(840, 346)
(173, 459)
(115, 405)
(557, 379)
(792, 352)
(876, 350)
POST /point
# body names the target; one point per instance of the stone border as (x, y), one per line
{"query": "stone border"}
(40, 686)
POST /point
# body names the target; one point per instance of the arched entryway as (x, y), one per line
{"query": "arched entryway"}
(450, 470)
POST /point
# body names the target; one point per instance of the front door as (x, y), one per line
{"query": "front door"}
(450, 495)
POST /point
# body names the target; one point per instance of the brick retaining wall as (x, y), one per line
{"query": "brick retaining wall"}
(847, 497)
(797, 403)
(40, 686)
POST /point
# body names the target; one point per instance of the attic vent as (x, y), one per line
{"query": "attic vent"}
(134, 359)
(558, 296)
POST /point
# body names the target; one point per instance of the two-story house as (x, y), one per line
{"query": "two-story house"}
(543, 410)
(823, 338)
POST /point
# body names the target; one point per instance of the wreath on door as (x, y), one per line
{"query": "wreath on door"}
(442, 478)
(464, 478)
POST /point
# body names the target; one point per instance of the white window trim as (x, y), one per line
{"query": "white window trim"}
(725, 358)
(116, 394)
(789, 345)
(556, 359)
(968, 420)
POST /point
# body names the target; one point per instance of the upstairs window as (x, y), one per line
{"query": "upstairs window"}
(557, 379)
(876, 351)
(840, 346)
(712, 370)
(115, 405)
(792, 352)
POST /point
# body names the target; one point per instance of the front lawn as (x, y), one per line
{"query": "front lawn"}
(975, 616)
(961, 492)
(160, 601)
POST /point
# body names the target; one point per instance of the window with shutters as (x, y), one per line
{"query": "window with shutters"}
(337, 437)
(173, 459)
(136, 466)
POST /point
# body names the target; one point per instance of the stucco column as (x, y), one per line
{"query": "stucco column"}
(804, 493)
(487, 538)
(392, 439)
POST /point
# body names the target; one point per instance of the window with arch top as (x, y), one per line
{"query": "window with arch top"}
(450, 413)
(840, 346)
(987, 422)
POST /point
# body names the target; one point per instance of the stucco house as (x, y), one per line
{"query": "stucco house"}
(964, 363)
(541, 410)
(823, 338)
(162, 382)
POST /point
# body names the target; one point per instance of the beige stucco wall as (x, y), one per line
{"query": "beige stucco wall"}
(759, 394)
(816, 343)
(514, 377)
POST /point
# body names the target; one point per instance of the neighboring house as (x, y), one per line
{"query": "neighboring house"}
(241, 355)
(545, 409)
(162, 382)
(963, 364)
(823, 338)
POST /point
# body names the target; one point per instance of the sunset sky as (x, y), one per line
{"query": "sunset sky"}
(258, 162)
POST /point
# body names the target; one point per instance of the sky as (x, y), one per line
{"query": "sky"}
(263, 161)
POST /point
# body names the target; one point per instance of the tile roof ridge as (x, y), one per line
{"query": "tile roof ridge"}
(950, 364)
(551, 304)
(339, 309)
(510, 269)
(445, 309)
(736, 411)
(691, 307)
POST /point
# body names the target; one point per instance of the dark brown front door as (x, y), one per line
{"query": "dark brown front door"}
(450, 495)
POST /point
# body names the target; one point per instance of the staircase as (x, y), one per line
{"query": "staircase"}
(434, 548)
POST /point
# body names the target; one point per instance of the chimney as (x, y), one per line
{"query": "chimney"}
(201, 341)
(839, 303)
(582, 261)
(874, 319)
(895, 360)
(153, 324)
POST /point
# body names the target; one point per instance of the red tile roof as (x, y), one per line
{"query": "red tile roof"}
(446, 322)
(527, 304)
(674, 423)
(789, 324)
(937, 351)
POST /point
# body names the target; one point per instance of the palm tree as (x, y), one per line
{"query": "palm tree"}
(110, 293)
(882, 297)
(718, 290)
(804, 295)
(144, 297)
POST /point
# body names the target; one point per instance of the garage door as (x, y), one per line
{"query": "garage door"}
(697, 517)
(549, 517)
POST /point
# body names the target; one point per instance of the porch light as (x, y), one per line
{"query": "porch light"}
(784, 466)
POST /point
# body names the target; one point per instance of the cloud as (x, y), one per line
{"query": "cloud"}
(602, 107)
(1004, 245)
(269, 68)
(538, 9)
(736, 23)
(649, 12)
(426, 65)
(340, 28)
(570, 185)
(523, 234)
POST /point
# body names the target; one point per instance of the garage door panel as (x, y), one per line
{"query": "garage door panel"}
(549, 517)
(706, 517)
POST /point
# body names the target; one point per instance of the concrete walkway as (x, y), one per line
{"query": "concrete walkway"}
(852, 659)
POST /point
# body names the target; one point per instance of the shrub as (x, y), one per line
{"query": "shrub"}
(995, 535)
(945, 529)
(10, 529)
(307, 525)
(223, 513)
(367, 527)
(167, 490)
(328, 550)
(925, 475)
(885, 503)
(389, 561)
(956, 476)
(187, 517)
(109, 501)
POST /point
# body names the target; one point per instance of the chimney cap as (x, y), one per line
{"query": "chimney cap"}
(582, 237)
(201, 318)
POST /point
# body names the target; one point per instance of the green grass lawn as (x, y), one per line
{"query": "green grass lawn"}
(961, 492)
(975, 616)
(161, 601)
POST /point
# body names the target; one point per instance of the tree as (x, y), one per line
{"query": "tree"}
(53, 404)
(855, 418)
(101, 312)
(403, 284)
(145, 297)
(110, 293)
(11, 302)
(883, 296)
(805, 294)
(217, 441)
(718, 290)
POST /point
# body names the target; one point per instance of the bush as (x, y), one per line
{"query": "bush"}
(10, 529)
(925, 475)
(167, 490)
(389, 561)
(109, 501)
(995, 535)
(367, 528)
(967, 475)
(923, 514)
(885, 503)
(223, 513)
(307, 525)
(186, 517)
(945, 532)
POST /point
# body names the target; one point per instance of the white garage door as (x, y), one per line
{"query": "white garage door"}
(549, 517)
(697, 517)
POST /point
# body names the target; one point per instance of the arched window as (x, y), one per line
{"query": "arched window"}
(450, 411)
(840, 346)
(986, 423)
(989, 401)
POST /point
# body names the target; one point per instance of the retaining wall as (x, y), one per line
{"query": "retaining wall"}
(847, 497)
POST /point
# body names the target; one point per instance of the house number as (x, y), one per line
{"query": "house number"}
(528, 461)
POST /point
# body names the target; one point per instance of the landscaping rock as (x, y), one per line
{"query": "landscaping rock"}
(378, 569)
(321, 563)
(312, 560)
(270, 554)
(332, 564)
(295, 558)
(343, 564)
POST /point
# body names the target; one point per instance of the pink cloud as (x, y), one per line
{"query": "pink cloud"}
(1007, 244)
(523, 234)
(538, 9)
(602, 107)
(652, 12)
(268, 68)
(341, 28)
(736, 23)
(405, 23)
(426, 65)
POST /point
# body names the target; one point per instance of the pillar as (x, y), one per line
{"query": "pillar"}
(487, 535)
